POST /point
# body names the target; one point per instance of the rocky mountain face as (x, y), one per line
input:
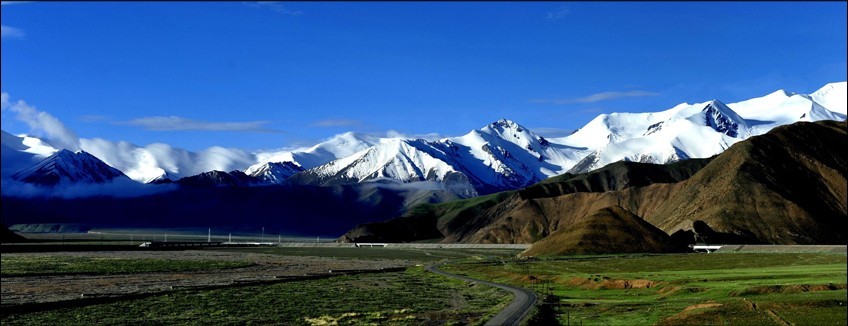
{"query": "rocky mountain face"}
(216, 179)
(785, 187)
(273, 172)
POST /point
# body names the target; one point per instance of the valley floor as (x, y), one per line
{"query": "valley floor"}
(242, 285)
(328, 285)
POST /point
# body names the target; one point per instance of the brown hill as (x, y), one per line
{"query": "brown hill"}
(609, 230)
(785, 187)
(459, 220)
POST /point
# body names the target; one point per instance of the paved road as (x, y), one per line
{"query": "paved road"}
(514, 312)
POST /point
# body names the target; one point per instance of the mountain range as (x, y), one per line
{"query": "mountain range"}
(787, 186)
(765, 170)
(501, 156)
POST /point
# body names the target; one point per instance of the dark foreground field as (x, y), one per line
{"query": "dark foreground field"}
(294, 286)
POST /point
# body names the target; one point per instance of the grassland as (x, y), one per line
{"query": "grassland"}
(402, 298)
(637, 289)
(741, 289)
(19, 265)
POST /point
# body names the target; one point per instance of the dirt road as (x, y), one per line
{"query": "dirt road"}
(515, 312)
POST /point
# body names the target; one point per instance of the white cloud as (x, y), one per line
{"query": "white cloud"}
(6, 3)
(174, 123)
(429, 136)
(139, 163)
(559, 13)
(598, 97)
(42, 124)
(145, 163)
(7, 32)
(336, 123)
(119, 188)
(275, 6)
(552, 132)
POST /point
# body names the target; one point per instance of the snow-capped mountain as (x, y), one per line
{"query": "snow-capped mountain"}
(337, 147)
(697, 130)
(501, 155)
(272, 172)
(65, 166)
(506, 155)
(395, 159)
(685, 131)
(832, 96)
(19, 153)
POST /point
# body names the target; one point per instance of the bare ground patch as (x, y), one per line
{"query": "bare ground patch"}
(594, 283)
(54, 288)
(795, 288)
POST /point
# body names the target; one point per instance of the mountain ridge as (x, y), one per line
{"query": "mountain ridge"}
(785, 187)
(502, 155)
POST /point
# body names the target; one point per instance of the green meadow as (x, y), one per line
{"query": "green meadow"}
(735, 289)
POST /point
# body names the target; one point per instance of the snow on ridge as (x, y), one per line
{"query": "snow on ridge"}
(67, 166)
(832, 96)
(500, 155)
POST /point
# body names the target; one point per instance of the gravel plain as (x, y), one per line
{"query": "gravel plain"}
(23, 290)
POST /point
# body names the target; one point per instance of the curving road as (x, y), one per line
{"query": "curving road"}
(514, 312)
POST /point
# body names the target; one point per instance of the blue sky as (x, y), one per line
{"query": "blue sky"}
(264, 75)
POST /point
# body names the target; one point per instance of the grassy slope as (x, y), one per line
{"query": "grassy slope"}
(744, 289)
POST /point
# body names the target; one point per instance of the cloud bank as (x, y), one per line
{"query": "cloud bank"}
(118, 188)
(598, 97)
(275, 6)
(559, 13)
(41, 124)
(10, 32)
(140, 163)
(175, 123)
(336, 123)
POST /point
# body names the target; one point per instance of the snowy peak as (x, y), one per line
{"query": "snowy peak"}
(513, 132)
(722, 119)
(396, 159)
(339, 146)
(65, 166)
(272, 172)
(832, 96)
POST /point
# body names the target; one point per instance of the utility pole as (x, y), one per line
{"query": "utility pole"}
(209, 236)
